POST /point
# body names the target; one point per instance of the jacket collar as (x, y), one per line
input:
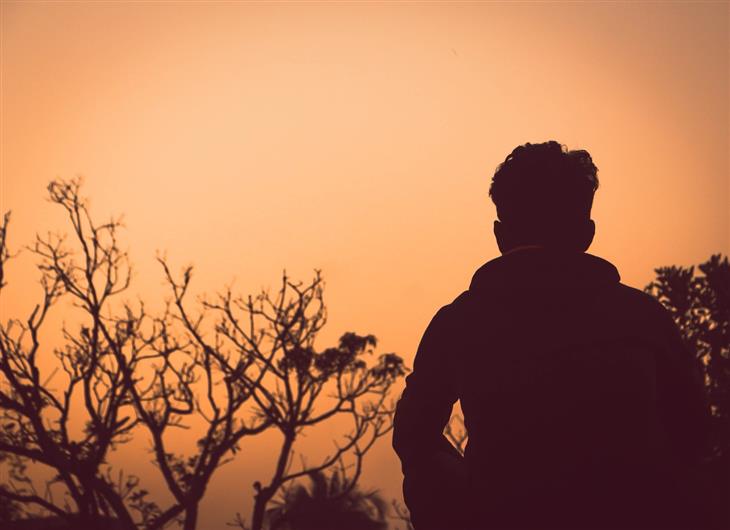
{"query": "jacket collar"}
(541, 267)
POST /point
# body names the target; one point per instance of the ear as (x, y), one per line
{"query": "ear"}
(500, 236)
(589, 232)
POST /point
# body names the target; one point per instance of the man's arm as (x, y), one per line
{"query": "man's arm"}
(434, 474)
(427, 401)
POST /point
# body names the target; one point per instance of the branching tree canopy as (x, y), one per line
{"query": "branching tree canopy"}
(236, 365)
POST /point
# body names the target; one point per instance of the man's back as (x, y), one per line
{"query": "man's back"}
(578, 397)
(583, 409)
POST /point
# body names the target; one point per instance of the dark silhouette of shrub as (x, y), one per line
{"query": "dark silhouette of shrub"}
(330, 503)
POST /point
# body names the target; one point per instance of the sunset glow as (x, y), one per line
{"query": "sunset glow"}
(356, 138)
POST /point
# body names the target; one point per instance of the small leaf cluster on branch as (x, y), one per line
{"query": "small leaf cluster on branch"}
(236, 365)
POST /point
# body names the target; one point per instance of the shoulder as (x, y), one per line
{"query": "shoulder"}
(447, 318)
(639, 303)
(457, 309)
(642, 312)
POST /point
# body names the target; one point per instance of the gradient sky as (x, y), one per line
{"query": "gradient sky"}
(358, 138)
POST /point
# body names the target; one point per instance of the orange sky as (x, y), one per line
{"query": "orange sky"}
(358, 138)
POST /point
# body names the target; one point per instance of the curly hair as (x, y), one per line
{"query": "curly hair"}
(544, 187)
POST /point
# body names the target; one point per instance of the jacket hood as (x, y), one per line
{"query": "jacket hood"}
(543, 268)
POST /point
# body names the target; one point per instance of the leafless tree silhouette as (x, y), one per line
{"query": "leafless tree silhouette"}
(237, 365)
(36, 412)
(302, 387)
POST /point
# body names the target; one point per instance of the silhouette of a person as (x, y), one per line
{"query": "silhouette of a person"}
(583, 408)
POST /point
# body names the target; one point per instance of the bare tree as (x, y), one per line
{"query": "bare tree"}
(197, 372)
(236, 365)
(302, 387)
(35, 416)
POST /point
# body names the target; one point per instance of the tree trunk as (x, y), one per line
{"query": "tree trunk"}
(191, 517)
(264, 495)
(261, 499)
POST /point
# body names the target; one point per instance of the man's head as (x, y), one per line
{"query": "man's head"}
(544, 194)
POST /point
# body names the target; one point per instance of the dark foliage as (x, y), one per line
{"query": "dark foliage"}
(699, 301)
(330, 503)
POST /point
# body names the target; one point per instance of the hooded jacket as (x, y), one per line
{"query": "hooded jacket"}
(583, 407)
